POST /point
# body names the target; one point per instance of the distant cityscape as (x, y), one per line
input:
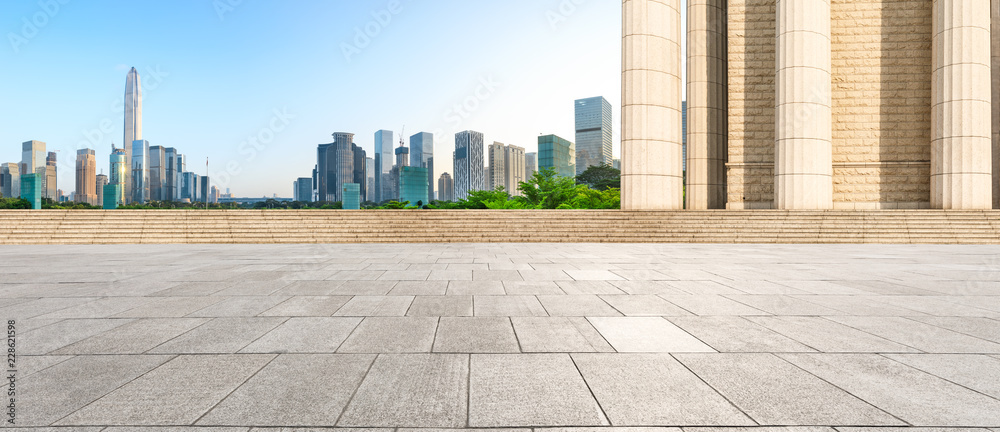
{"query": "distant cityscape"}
(344, 172)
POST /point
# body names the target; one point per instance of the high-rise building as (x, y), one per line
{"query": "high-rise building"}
(530, 164)
(302, 189)
(157, 173)
(469, 173)
(120, 167)
(422, 156)
(213, 197)
(351, 193)
(413, 185)
(86, 177)
(110, 192)
(51, 190)
(170, 174)
(10, 180)
(593, 133)
(360, 171)
(100, 181)
(558, 154)
(495, 169)
(446, 188)
(139, 172)
(133, 121)
(31, 189)
(335, 166)
(616, 164)
(189, 187)
(383, 164)
(370, 179)
(33, 160)
(204, 189)
(180, 168)
(514, 172)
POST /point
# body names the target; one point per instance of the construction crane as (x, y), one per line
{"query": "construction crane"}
(402, 143)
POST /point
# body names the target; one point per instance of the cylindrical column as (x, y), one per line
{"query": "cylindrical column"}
(961, 147)
(803, 153)
(651, 105)
(707, 104)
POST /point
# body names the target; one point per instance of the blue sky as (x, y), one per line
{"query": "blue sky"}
(216, 72)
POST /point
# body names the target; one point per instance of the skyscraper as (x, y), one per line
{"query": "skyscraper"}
(157, 173)
(360, 171)
(10, 180)
(86, 177)
(422, 156)
(139, 172)
(33, 159)
(50, 183)
(558, 154)
(370, 178)
(413, 185)
(530, 164)
(446, 188)
(469, 175)
(170, 177)
(593, 133)
(335, 166)
(133, 120)
(181, 168)
(120, 167)
(513, 162)
(302, 189)
(204, 189)
(100, 181)
(495, 169)
(383, 164)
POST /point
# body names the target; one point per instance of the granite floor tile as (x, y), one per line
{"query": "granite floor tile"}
(983, 328)
(578, 287)
(532, 288)
(134, 337)
(828, 336)
(508, 306)
(441, 306)
(309, 288)
(28, 365)
(949, 306)
(364, 288)
(576, 305)
(496, 275)
(641, 275)
(420, 288)
(101, 308)
(364, 306)
(643, 305)
(593, 275)
(712, 305)
(475, 335)
(475, 287)
(219, 336)
(450, 275)
(783, 305)
(170, 307)
(735, 334)
(654, 389)
(923, 337)
(42, 306)
(646, 334)
(862, 305)
(294, 390)
(253, 288)
(404, 275)
(356, 275)
(429, 390)
(977, 372)
(49, 338)
(703, 287)
(647, 287)
(167, 396)
(243, 306)
(544, 275)
(308, 306)
(379, 335)
(558, 334)
(305, 335)
(529, 390)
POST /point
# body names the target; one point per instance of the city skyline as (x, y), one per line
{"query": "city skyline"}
(186, 109)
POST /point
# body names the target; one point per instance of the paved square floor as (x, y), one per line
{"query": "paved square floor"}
(225, 338)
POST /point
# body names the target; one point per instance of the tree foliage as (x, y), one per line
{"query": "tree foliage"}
(601, 177)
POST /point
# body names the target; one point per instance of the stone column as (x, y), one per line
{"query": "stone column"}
(961, 146)
(707, 104)
(995, 48)
(803, 154)
(651, 105)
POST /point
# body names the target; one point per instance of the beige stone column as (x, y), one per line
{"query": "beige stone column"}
(707, 104)
(995, 48)
(803, 154)
(651, 105)
(961, 145)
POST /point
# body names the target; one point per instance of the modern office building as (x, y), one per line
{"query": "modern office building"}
(302, 189)
(446, 188)
(189, 187)
(50, 184)
(336, 166)
(383, 164)
(86, 177)
(120, 166)
(360, 170)
(157, 173)
(204, 189)
(31, 189)
(351, 193)
(593, 133)
(422, 156)
(181, 168)
(514, 170)
(495, 166)
(413, 185)
(558, 154)
(370, 179)
(111, 191)
(213, 196)
(530, 164)
(616, 164)
(100, 181)
(170, 174)
(133, 121)
(139, 172)
(33, 160)
(10, 180)
(468, 163)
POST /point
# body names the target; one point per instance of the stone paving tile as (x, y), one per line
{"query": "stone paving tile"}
(191, 289)
(168, 394)
(588, 287)
(703, 287)
(828, 336)
(305, 335)
(243, 306)
(101, 308)
(977, 372)
(735, 334)
(641, 275)
(646, 287)
(576, 305)
(441, 306)
(923, 337)
(57, 391)
(783, 305)
(363, 306)
(392, 335)
(450, 275)
(774, 392)
(916, 397)
(308, 306)
(253, 288)
(529, 390)
(558, 334)
(822, 287)
(404, 275)
(170, 307)
(983, 328)
(28, 365)
(364, 288)
(356, 275)
(761, 287)
(309, 288)
(884, 288)
(949, 306)
(49, 338)
(544, 275)
(219, 336)
(654, 389)
(135, 337)
(646, 334)
(712, 305)
(475, 335)
(643, 305)
(420, 288)
(508, 306)
(863, 305)
(496, 275)
(593, 275)
(294, 390)
(475, 288)
(42, 306)
(429, 390)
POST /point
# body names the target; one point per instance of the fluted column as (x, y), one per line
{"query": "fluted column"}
(961, 146)
(803, 154)
(651, 105)
(707, 104)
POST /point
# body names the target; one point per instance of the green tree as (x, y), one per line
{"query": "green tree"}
(601, 177)
(477, 199)
(547, 190)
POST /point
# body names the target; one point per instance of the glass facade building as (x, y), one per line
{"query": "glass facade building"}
(157, 173)
(422, 155)
(383, 165)
(119, 169)
(110, 192)
(140, 172)
(335, 166)
(133, 120)
(31, 189)
(468, 161)
(86, 177)
(413, 185)
(370, 179)
(101, 181)
(530, 164)
(33, 160)
(593, 133)
(558, 154)
(178, 180)
(352, 196)
(10, 180)
(170, 175)
(446, 188)
(50, 189)
(302, 189)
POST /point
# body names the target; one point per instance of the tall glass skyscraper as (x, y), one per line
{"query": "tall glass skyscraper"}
(133, 119)
(383, 165)
(157, 173)
(558, 154)
(119, 172)
(86, 177)
(10, 180)
(140, 172)
(335, 166)
(170, 179)
(530, 164)
(179, 181)
(51, 190)
(593, 133)
(469, 172)
(422, 156)
(33, 160)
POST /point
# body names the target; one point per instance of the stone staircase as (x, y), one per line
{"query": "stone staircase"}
(496, 226)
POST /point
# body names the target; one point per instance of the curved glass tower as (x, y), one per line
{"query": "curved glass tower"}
(133, 120)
